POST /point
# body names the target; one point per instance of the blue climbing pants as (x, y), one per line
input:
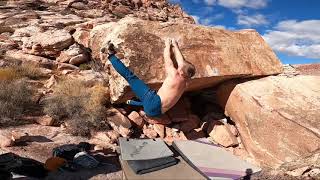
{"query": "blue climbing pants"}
(149, 98)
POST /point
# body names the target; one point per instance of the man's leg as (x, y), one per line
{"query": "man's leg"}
(137, 85)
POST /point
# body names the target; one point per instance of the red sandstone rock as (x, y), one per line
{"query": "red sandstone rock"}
(222, 52)
(48, 43)
(65, 66)
(221, 134)
(149, 132)
(113, 115)
(164, 119)
(160, 129)
(6, 140)
(277, 117)
(308, 69)
(45, 120)
(110, 136)
(81, 36)
(31, 59)
(135, 117)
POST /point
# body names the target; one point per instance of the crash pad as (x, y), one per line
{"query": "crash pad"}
(182, 170)
(143, 149)
(213, 161)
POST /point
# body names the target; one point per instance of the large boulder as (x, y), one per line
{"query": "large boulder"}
(277, 117)
(217, 54)
(48, 43)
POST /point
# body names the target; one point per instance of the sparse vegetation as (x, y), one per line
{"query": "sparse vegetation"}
(83, 107)
(20, 71)
(15, 99)
(85, 66)
(15, 93)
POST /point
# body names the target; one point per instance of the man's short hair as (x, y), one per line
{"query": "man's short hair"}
(189, 70)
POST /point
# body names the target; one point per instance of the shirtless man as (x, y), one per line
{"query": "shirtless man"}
(174, 85)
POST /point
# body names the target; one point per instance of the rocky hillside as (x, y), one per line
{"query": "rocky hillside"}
(54, 84)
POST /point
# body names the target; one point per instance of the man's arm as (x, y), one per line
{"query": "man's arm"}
(169, 66)
(177, 53)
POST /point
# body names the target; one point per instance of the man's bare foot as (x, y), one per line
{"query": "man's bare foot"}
(109, 49)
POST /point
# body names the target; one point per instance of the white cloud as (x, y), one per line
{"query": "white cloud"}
(210, 2)
(300, 38)
(209, 20)
(253, 20)
(237, 4)
(219, 26)
(196, 19)
(206, 21)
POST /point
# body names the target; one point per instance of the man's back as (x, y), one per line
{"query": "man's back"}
(171, 90)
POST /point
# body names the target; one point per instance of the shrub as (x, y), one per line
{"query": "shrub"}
(85, 66)
(20, 71)
(83, 107)
(15, 98)
(29, 71)
(8, 74)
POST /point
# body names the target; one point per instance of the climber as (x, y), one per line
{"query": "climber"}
(175, 83)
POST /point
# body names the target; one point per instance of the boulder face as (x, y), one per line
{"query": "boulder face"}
(277, 117)
(217, 54)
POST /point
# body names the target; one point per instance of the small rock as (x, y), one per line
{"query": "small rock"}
(221, 134)
(150, 133)
(182, 136)
(169, 132)
(164, 119)
(136, 119)
(64, 66)
(160, 129)
(298, 171)
(234, 130)
(124, 132)
(118, 118)
(103, 136)
(6, 141)
(79, 59)
(113, 135)
(50, 82)
(82, 36)
(19, 136)
(45, 120)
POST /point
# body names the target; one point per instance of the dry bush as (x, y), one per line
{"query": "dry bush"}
(30, 71)
(83, 107)
(20, 71)
(8, 74)
(15, 98)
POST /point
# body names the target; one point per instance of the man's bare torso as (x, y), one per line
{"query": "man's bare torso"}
(171, 91)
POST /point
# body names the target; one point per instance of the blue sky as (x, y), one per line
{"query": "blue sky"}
(290, 27)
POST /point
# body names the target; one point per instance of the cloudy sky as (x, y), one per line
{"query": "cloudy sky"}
(290, 27)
